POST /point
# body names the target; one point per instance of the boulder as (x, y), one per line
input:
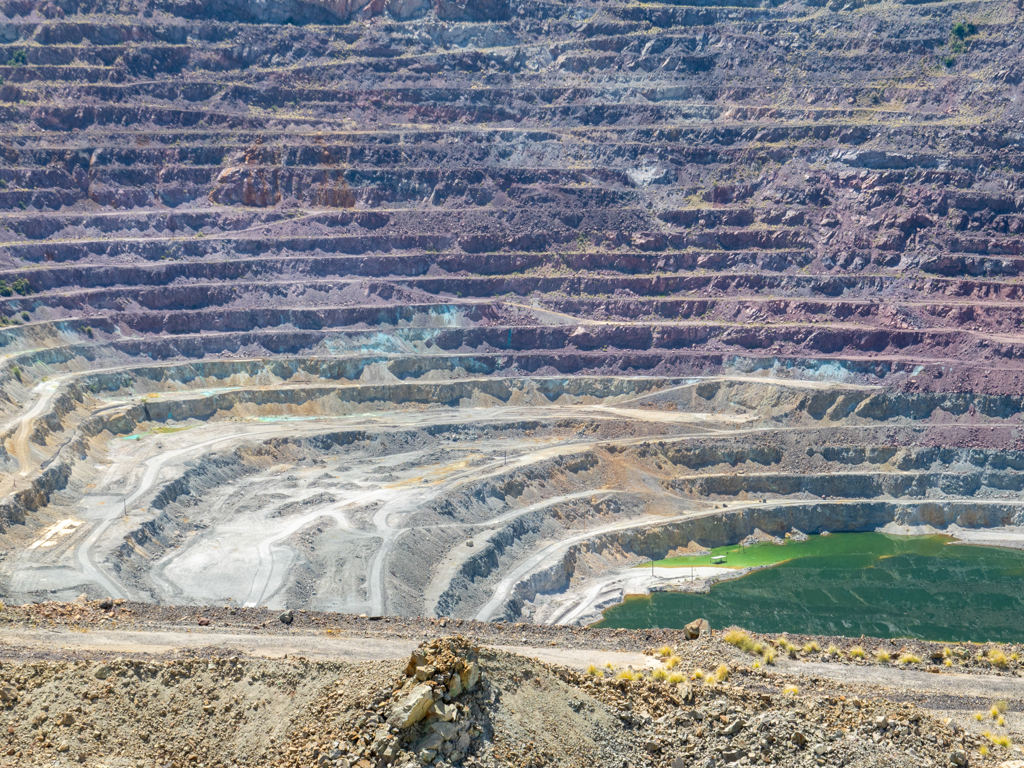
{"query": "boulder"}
(455, 686)
(443, 712)
(696, 628)
(444, 730)
(470, 675)
(413, 707)
(417, 659)
(431, 742)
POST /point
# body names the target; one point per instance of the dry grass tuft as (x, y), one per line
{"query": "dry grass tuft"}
(1000, 740)
(790, 690)
(997, 658)
(740, 639)
(883, 656)
(909, 658)
(857, 652)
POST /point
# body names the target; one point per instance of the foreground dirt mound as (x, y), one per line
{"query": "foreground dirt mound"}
(451, 703)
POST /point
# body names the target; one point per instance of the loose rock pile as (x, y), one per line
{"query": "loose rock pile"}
(429, 714)
(753, 722)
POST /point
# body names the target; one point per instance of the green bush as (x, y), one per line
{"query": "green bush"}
(958, 40)
(19, 286)
(964, 29)
(19, 57)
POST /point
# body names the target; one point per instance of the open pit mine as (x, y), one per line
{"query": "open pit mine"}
(328, 327)
(465, 309)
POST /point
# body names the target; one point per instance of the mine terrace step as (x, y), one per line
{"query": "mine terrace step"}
(657, 339)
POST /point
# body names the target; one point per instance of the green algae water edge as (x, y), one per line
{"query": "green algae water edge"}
(854, 584)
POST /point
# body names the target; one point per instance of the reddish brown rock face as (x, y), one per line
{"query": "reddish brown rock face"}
(771, 186)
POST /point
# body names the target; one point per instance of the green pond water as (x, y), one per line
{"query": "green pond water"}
(852, 584)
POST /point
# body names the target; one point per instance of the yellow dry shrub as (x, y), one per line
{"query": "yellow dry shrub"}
(997, 658)
(739, 639)
(1000, 740)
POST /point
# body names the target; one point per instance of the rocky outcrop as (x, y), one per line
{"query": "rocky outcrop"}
(431, 715)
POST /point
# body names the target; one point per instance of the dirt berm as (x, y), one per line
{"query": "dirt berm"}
(107, 687)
